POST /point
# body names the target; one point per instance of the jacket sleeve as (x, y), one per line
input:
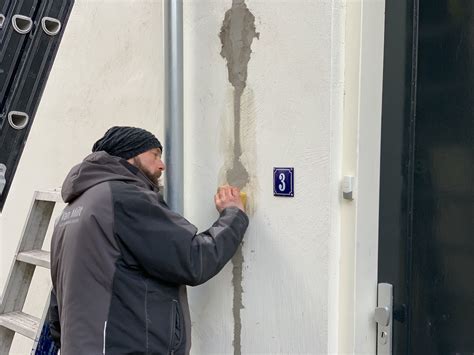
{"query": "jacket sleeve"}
(53, 320)
(168, 247)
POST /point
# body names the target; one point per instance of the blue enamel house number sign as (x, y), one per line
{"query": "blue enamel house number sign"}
(283, 182)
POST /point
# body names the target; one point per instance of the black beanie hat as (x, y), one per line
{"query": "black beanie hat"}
(126, 142)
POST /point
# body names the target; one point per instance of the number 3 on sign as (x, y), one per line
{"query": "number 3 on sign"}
(282, 185)
(283, 182)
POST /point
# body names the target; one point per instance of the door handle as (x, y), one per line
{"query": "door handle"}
(383, 316)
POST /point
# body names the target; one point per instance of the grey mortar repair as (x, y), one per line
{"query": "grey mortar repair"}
(237, 33)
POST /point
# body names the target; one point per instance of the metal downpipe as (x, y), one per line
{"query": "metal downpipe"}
(173, 62)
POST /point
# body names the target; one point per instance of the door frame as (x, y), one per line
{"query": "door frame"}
(364, 58)
(397, 160)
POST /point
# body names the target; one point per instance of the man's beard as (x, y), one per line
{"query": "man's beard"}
(154, 178)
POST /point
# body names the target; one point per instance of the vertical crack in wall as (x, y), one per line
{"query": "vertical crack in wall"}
(237, 34)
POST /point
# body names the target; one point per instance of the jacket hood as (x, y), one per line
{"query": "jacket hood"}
(100, 167)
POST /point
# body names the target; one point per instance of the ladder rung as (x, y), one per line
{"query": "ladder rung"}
(35, 257)
(21, 323)
(51, 196)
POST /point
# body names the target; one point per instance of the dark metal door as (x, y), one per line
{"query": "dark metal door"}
(426, 239)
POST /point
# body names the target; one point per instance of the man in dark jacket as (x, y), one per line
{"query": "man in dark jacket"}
(120, 258)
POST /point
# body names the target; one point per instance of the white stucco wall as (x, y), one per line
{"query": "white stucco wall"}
(291, 116)
(108, 71)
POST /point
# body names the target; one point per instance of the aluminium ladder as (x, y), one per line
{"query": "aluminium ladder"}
(28, 255)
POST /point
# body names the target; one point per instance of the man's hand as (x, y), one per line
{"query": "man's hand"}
(228, 196)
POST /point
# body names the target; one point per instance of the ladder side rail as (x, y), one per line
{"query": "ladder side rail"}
(6, 339)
